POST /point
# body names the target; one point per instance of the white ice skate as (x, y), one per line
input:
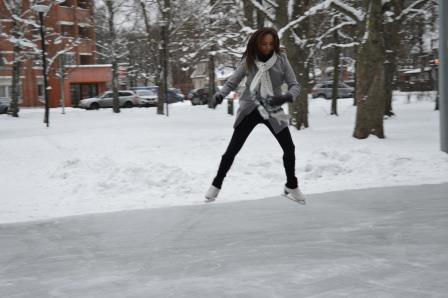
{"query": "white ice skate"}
(295, 195)
(211, 194)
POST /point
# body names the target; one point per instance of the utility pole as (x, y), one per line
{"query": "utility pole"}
(443, 74)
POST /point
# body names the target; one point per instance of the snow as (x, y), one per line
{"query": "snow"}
(418, 70)
(98, 161)
(223, 72)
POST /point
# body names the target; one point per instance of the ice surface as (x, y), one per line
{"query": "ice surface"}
(384, 242)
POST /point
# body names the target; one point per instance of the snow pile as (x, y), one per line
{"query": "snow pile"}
(97, 161)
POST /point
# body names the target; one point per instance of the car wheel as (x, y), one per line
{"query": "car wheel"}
(94, 106)
(128, 104)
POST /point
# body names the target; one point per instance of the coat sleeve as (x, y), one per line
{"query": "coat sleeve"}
(235, 79)
(294, 87)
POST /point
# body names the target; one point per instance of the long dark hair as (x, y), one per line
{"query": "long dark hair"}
(252, 45)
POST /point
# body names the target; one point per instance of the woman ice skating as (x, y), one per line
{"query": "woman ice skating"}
(266, 69)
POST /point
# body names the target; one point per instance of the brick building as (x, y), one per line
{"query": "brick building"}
(73, 27)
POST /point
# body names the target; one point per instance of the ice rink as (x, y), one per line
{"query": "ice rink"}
(382, 242)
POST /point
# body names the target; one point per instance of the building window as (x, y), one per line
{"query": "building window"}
(67, 3)
(85, 4)
(67, 30)
(40, 90)
(69, 59)
(86, 59)
(81, 91)
(84, 32)
(4, 91)
(37, 61)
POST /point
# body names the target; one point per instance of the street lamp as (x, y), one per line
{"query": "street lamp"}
(443, 74)
(42, 9)
(164, 25)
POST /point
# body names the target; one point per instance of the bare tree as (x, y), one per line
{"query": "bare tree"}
(111, 10)
(370, 94)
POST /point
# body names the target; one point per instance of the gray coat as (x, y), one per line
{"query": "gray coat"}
(281, 72)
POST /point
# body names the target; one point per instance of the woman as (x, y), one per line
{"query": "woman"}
(266, 69)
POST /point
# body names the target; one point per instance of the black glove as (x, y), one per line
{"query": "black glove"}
(218, 98)
(278, 100)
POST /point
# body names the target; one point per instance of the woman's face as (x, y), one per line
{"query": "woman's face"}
(266, 45)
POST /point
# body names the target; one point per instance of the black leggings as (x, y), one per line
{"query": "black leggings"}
(240, 134)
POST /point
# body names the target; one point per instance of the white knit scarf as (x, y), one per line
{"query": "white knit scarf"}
(263, 80)
(262, 77)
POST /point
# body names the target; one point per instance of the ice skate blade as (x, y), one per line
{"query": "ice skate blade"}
(209, 200)
(301, 202)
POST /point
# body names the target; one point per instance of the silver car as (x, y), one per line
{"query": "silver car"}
(127, 99)
(325, 90)
(148, 98)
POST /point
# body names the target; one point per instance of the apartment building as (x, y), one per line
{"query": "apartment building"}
(70, 29)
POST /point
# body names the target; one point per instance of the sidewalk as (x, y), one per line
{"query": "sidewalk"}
(386, 242)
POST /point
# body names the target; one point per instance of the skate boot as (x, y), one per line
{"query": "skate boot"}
(294, 194)
(211, 194)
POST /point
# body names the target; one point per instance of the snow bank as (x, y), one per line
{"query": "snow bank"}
(97, 161)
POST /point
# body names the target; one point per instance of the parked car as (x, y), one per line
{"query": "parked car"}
(4, 105)
(147, 97)
(174, 95)
(325, 90)
(127, 99)
(199, 96)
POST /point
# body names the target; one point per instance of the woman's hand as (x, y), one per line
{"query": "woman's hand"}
(218, 98)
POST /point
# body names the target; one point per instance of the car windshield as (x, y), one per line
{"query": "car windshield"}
(146, 92)
(106, 95)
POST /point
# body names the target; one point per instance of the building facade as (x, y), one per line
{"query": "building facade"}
(70, 49)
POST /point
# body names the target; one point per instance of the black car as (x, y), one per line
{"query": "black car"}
(199, 96)
(4, 105)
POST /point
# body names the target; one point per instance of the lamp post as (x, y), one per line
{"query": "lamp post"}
(443, 74)
(42, 9)
(164, 52)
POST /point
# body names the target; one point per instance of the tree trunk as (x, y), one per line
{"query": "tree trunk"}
(112, 37)
(14, 105)
(211, 71)
(148, 46)
(356, 76)
(336, 70)
(298, 55)
(370, 80)
(260, 17)
(211, 79)
(16, 65)
(392, 42)
(248, 9)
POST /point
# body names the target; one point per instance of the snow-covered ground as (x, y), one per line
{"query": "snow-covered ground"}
(98, 161)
